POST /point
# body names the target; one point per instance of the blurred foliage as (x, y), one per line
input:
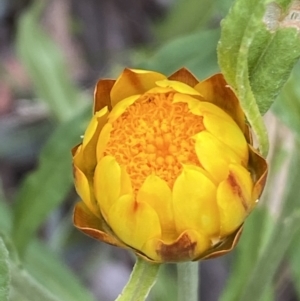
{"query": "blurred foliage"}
(189, 16)
(45, 188)
(187, 36)
(48, 73)
(287, 107)
(192, 13)
(184, 51)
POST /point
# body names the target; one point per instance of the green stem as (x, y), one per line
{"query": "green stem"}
(142, 279)
(188, 281)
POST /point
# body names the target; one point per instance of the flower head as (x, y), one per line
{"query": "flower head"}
(166, 166)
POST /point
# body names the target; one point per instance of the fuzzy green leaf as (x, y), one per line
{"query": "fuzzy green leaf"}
(276, 60)
(25, 287)
(238, 32)
(259, 46)
(4, 272)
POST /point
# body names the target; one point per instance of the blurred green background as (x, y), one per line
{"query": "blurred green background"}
(51, 55)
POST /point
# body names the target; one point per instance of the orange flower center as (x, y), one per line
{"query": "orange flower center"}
(154, 135)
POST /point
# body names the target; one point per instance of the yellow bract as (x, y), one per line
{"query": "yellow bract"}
(158, 195)
(194, 202)
(166, 166)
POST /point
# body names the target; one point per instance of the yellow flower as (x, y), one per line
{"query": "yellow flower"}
(166, 166)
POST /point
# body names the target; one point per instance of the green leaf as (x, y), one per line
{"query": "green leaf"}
(25, 288)
(275, 61)
(15, 283)
(45, 65)
(197, 52)
(294, 261)
(4, 272)
(233, 29)
(239, 30)
(42, 267)
(267, 45)
(53, 274)
(47, 187)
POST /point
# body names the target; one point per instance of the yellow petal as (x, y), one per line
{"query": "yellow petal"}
(214, 155)
(216, 90)
(134, 223)
(121, 107)
(229, 133)
(156, 193)
(194, 202)
(132, 82)
(94, 226)
(185, 76)
(234, 198)
(177, 86)
(107, 183)
(102, 94)
(85, 191)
